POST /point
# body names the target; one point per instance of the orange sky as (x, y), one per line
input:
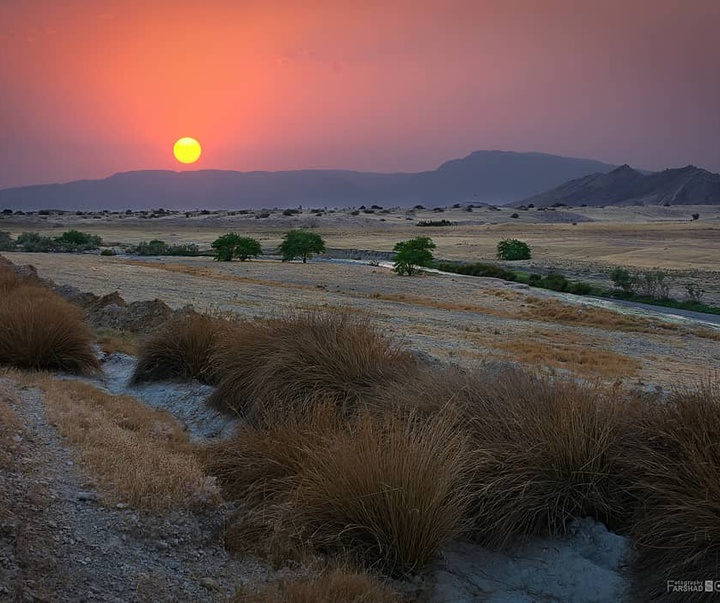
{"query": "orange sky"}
(93, 87)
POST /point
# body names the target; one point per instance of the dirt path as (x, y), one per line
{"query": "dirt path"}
(57, 543)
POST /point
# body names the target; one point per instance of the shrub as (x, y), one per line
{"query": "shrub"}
(694, 292)
(35, 243)
(623, 280)
(579, 288)
(108, 252)
(302, 244)
(74, 240)
(295, 359)
(41, 331)
(478, 269)
(435, 223)
(291, 212)
(653, 283)
(555, 282)
(674, 461)
(355, 212)
(183, 249)
(413, 254)
(232, 245)
(514, 215)
(513, 249)
(154, 247)
(696, 216)
(180, 349)
(6, 241)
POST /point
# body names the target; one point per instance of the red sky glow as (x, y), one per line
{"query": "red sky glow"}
(93, 87)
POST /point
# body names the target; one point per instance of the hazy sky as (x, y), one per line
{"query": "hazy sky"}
(93, 87)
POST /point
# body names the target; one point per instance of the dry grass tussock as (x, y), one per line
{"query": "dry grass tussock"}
(549, 452)
(41, 331)
(335, 585)
(180, 349)
(8, 280)
(303, 357)
(139, 455)
(9, 427)
(674, 461)
(388, 491)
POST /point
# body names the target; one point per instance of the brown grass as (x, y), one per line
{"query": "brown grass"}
(113, 341)
(8, 280)
(139, 456)
(40, 330)
(548, 451)
(306, 356)
(180, 349)
(389, 491)
(674, 461)
(576, 357)
(335, 585)
(10, 427)
(551, 310)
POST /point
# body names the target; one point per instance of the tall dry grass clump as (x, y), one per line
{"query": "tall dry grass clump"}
(9, 280)
(41, 331)
(388, 491)
(336, 585)
(391, 490)
(180, 349)
(674, 461)
(547, 451)
(302, 357)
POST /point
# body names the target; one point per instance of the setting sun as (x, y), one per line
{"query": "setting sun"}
(187, 150)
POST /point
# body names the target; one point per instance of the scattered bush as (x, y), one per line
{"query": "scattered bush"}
(623, 280)
(6, 241)
(413, 254)
(301, 244)
(696, 216)
(291, 212)
(74, 240)
(41, 331)
(435, 223)
(108, 252)
(652, 283)
(514, 215)
(694, 292)
(158, 247)
(232, 245)
(180, 349)
(513, 249)
(33, 242)
(478, 269)
(296, 359)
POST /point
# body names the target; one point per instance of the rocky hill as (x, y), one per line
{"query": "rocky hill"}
(482, 177)
(625, 186)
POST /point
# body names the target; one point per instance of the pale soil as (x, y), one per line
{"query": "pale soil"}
(465, 320)
(58, 543)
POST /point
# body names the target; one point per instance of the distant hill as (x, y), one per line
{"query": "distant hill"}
(484, 176)
(625, 186)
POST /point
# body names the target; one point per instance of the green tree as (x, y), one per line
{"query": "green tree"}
(301, 244)
(413, 254)
(513, 249)
(231, 246)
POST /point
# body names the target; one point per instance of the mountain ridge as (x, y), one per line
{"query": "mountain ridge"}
(481, 177)
(689, 185)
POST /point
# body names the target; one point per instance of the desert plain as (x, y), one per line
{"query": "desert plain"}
(453, 318)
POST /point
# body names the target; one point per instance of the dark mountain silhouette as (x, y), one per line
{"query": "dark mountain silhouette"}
(625, 186)
(483, 176)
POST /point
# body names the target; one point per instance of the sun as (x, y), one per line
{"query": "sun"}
(187, 150)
